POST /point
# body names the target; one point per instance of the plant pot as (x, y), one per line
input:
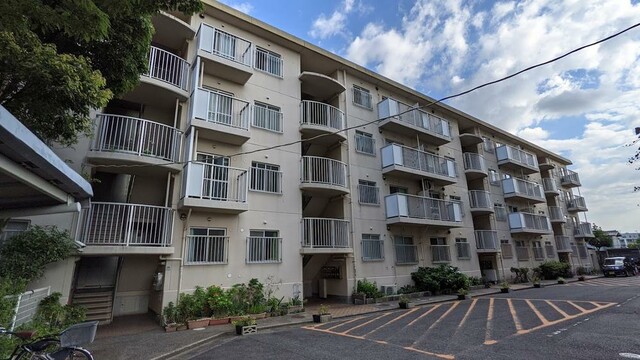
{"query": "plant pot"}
(246, 330)
(317, 318)
(370, 301)
(537, 286)
(561, 282)
(170, 328)
(196, 324)
(294, 309)
(258, 316)
(504, 291)
(219, 321)
(181, 327)
(580, 278)
(462, 297)
(235, 318)
(406, 305)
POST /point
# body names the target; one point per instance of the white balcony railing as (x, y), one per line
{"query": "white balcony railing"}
(225, 45)
(120, 224)
(521, 187)
(419, 207)
(410, 158)
(325, 233)
(538, 253)
(168, 67)
(563, 243)
(215, 182)
(440, 253)
(576, 202)
(415, 117)
(583, 229)
(529, 222)
(569, 177)
(487, 240)
(140, 137)
(321, 114)
(473, 161)
(319, 170)
(510, 153)
(480, 199)
(550, 185)
(555, 213)
(369, 195)
(222, 109)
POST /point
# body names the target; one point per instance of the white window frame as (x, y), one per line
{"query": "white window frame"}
(500, 212)
(494, 177)
(463, 249)
(271, 175)
(372, 247)
(264, 247)
(366, 189)
(270, 58)
(362, 139)
(214, 237)
(506, 244)
(360, 93)
(272, 118)
(13, 228)
(405, 243)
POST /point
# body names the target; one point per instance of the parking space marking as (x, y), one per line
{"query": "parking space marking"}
(466, 315)
(487, 334)
(426, 332)
(514, 315)
(345, 323)
(423, 315)
(392, 321)
(368, 322)
(537, 312)
(556, 308)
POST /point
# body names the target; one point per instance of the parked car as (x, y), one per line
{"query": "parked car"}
(620, 265)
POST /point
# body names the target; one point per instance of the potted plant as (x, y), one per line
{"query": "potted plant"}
(536, 282)
(219, 305)
(504, 287)
(405, 302)
(561, 280)
(323, 315)
(296, 305)
(169, 317)
(463, 294)
(246, 326)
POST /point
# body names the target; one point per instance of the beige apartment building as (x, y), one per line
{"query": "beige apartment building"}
(245, 153)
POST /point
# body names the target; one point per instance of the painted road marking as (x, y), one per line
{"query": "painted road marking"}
(514, 315)
(466, 315)
(487, 336)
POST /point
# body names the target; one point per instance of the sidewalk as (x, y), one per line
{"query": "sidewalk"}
(155, 344)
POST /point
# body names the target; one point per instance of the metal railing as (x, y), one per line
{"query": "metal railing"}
(372, 249)
(538, 253)
(440, 253)
(550, 185)
(420, 207)
(121, 224)
(507, 152)
(549, 250)
(473, 161)
(400, 155)
(486, 239)
(204, 249)
(320, 170)
(168, 67)
(223, 109)
(264, 250)
(563, 243)
(406, 254)
(321, 114)
(365, 144)
(416, 117)
(555, 213)
(325, 233)
(225, 45)
(583, 229)
(526, 221)
(268, 62)
(266, 180)
(480, 199)
(362, 98)
(268, 119)
(569, 177)
(576, 202)
(369, 195)
(26, 305)
(215, 182)
(522, 187)
(522, 253)
(136, 136)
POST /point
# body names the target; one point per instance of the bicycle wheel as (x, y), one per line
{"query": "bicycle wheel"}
(72, 354)
(38, 349)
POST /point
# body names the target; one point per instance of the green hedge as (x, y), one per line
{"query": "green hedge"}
(440, 279)
(551, 270)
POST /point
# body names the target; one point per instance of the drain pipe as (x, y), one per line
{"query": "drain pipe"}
(185, 227)
(350, 196)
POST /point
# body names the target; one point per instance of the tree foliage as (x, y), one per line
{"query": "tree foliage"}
(600, 239)
(62, 58)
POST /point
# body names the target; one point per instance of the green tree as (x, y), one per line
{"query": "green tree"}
(62, 58)
(600, 240)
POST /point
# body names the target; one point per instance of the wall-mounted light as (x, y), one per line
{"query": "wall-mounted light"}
(183, 216)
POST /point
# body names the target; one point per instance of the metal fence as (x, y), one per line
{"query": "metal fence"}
(204, 249)
(26, 305)
(321, 114)
(168, 67)
(264, 250)
(320, 170)
(369, 195)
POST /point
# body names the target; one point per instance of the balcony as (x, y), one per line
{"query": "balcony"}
(474, 166)
(118, 228)
(319, 86)
(563, 243)
(214, 188)
(221, 117)
(569, 178)
(323, 176)
(324, 235)
(409, 121)
(166, 79)
(440, 254)
(225, 55)
(470, 137)
(318, 118)
(526, 223)
(576, 203)
(583, 230)
(402, 161)
(487, 241)
(404, 209)
(545, 163)
(550, 186)
(171, 30)
(519, 189)
(516, 159)
(128, 140)
(556, 216)
(480, 202)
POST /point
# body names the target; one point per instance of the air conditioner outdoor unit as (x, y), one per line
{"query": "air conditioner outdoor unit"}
(388, 289)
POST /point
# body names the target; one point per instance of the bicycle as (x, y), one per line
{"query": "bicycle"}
(67, 347)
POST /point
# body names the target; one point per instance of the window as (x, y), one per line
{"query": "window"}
(549, 249)
(13, 228)
(365, 143)
(369, 192)
(206, 246)
(488, 145)
(266, 177)
(220, 107)
(463, 249)
(215, 181)
(224, 44)
(398, 190)
(538, 252)
(505, 176)
(440, 250)
(264, 246)
(267, 117)
(406, 252)
(372, 247)
(522, 251)
(506, 249)
(268, 62)
(500, 211)
(494, 177)
(362, 97)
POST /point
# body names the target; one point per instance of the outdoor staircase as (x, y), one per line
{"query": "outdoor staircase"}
(97, 302)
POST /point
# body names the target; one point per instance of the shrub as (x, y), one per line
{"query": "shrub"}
(407, 289)
(51, 317)
(552, 270)
(370, 289)
(443, 278)
(218, 302)
(475, 281)
(581, 270)
(170, 314)
(522, 274)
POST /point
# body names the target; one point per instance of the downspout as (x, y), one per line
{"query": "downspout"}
(185, 227)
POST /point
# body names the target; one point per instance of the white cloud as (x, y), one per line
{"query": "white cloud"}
(244, 7)
(534, 135)
(327, 26)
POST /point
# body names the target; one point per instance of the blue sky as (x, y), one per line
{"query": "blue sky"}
(584, 106)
